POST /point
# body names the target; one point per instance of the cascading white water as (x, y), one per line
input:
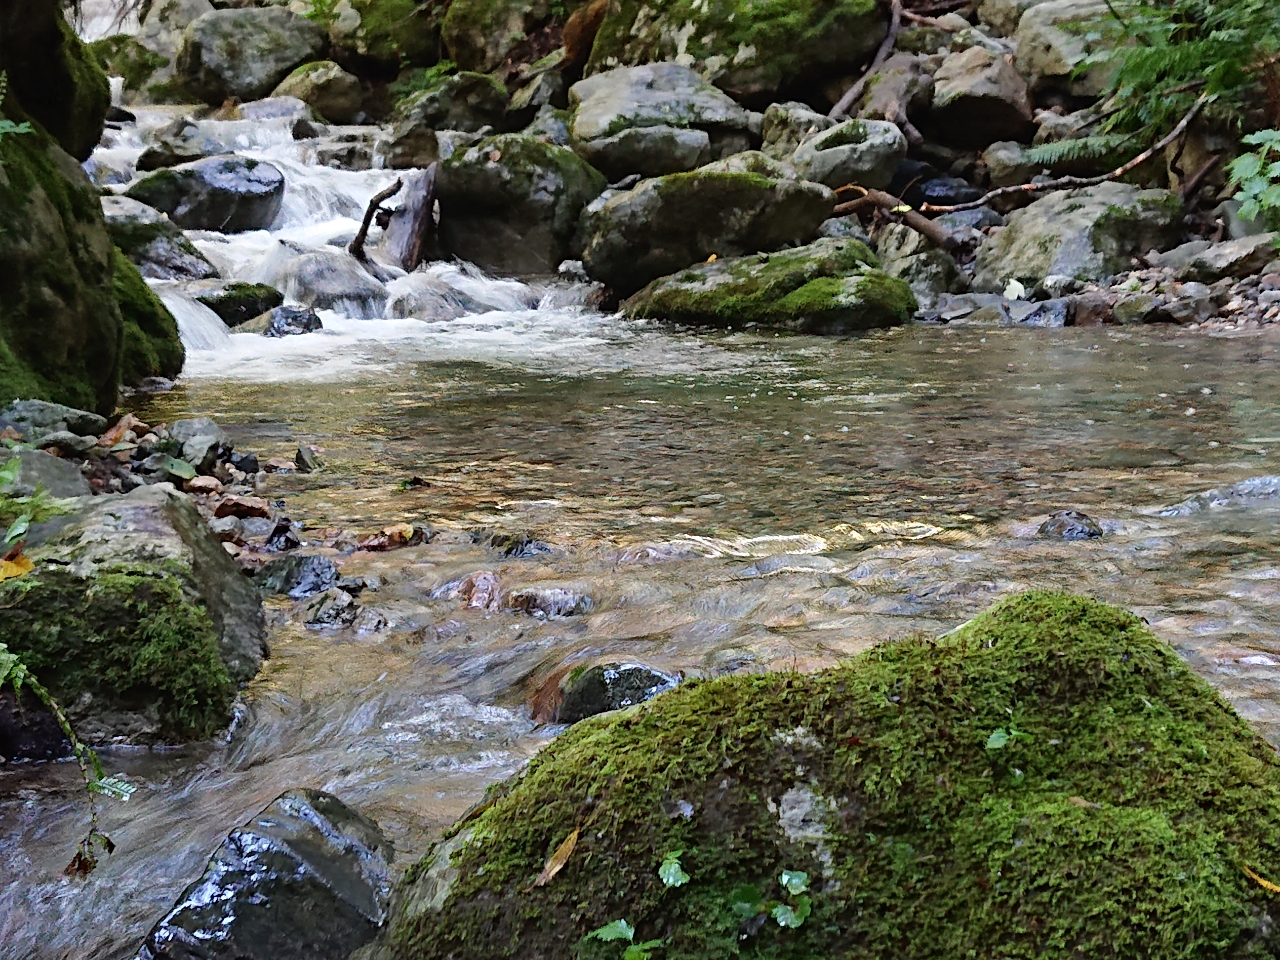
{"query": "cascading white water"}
(200, 328)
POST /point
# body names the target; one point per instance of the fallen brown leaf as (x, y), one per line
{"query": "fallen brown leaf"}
(1086, 804)
(15, 567)
(559, 859)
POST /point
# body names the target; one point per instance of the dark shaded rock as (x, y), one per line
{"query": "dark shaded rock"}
(297, 577)
(292, 321)
(245, 462)
(179, 141)
(333, 608)
(945, 191)
(28, 731)
(153, 242)
(151, 346)
(238, 302)
(518, 545)
(307, 877)
(610, 687)
(1070, 525)
(228, 194)
(306, 460)
(1051, 313)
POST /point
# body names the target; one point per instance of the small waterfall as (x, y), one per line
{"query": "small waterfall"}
(199, 327)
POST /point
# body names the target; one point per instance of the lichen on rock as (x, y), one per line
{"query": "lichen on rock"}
(1049, 780)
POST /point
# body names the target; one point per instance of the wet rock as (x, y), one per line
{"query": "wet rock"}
(39, 469)
(237, 303)
(1233, 258)
(245, 53)
(909, 256)
(396, 536)
(308, 877)
(1053, 42)
(865, 152)
(283, 536)
(66, 443)
(480, 590)
(298, 577)
(178, 142)
(243, 507)
(1003, 15)
(1070, 525)
(787, 125)
(28, 731)
(844, 228)
(521, 546)
(136, 620)
(333, 608)
(829, 286)
(510, 204)
(446, 292)
(1136, 308)
(978, 97)
(1086, 234)
(550, 602)
(153, 242)
(654, 119)
(943, 191)
(35, 418)
(228, 194)
(1187, 303)
(329, 279)
(244, 462)
(326, 88)
(1007, 164)
(668, 223)
(291, 322)
(1052, 314)
(612, 686)
(467, 102)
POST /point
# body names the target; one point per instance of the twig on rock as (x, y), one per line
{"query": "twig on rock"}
(1064, 183)
(357, 245)
(887, 201)
(852, 95)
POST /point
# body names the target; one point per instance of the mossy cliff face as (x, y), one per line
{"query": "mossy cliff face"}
(136, 620)
(151, 346)
(831, 286)
(1050, 780)
(750, 49)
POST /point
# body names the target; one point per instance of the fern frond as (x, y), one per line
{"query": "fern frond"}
(1079, 148)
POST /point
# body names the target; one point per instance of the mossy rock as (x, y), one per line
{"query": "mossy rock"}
(1048, 781)
(60, 328)
(481, 34)
(831, 286)
(123, 56)
(753, 50)
(238, 303)
(152, 346)
(136, 620)
(378, 38)
(54, 76)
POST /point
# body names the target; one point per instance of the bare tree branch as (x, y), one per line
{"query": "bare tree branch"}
(887, 201)
(357, 245)
(852, 95)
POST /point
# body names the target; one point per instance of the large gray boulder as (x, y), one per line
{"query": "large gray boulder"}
(148, 67)
(901, 90)
(654, 119)
(787, 125)
(136, 619)
(228, 194)
(865, 152)
(39, 470)
(1086, 234)
(510, 204)
(927, 270)
(334, 94)
(668, 223)
(830, 287)
(1003, 16)
(978, 98)
(154, 243)
(1054, 40)
(307, 877)
(245, 53)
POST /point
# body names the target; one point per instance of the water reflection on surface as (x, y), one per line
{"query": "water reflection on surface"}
(793, 503)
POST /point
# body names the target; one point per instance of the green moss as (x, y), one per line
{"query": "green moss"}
(237, 303)
(152, 347)
(392, 35)
(748, 46)
(1113, 816)
(128, 639)
(123, 56)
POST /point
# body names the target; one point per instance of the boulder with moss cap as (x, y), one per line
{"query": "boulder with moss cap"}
(378, 38)
(1050, 778)
(863, 152)
(326, 88)
(829, 287)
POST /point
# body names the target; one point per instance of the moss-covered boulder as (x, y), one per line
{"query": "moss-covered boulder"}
(831, 286)
(137, 620)
(378, 38)
(151, 346)
(123, 56)
(1086, 234)
(333, 93)
(227, 193)
(510, 204)
(155, 244)
(1049, 780)
(463, 101)
(752, 50)
(669, 223)
(54, 77)
(481, 34)
(238, 303)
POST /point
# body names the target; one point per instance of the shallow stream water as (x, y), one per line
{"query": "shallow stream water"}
(729, 502)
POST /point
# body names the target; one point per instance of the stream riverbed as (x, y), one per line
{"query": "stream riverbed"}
(728, 502)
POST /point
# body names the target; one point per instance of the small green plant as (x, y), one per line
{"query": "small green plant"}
(417, 81)
(1001, 737)
(8, 127)
(671, 873)
(621, 930)
(18, 513)
(323, 12)
(790, 913)
(1256, 177)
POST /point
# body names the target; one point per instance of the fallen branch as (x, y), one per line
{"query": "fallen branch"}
(854, 93)
(929, 21)
(357, 245)
(1064, 183)
(1198, 178)
(887, 201)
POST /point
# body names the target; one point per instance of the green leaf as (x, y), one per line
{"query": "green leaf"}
(640, 951)
(795, 881)
(745, 900)
(112, 787)
(998, 740)
(9, 472)
(671, 873)
(618, 930)
(180, 468)
(792, 916)
(18, 528)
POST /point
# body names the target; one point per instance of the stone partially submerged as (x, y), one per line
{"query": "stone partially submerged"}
(1049, 780)
(830, 286)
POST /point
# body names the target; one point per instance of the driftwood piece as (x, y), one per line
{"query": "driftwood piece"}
(854, 93)
(411, 229)
(1066, 183)
(357, 245)
(887, 201)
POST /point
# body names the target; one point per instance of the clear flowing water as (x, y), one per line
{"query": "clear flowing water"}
(730, 502)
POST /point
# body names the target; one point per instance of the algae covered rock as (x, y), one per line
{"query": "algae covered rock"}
(151, 346)
(749, 49)
(1086, 234)
(1049, 780)
(864, 152)
(481, 34)
(668, 223)
(245, 53)
(377, 38)
(330, 91)
(510, 204)
(153, 242)
(137, 620)
(830, 286)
